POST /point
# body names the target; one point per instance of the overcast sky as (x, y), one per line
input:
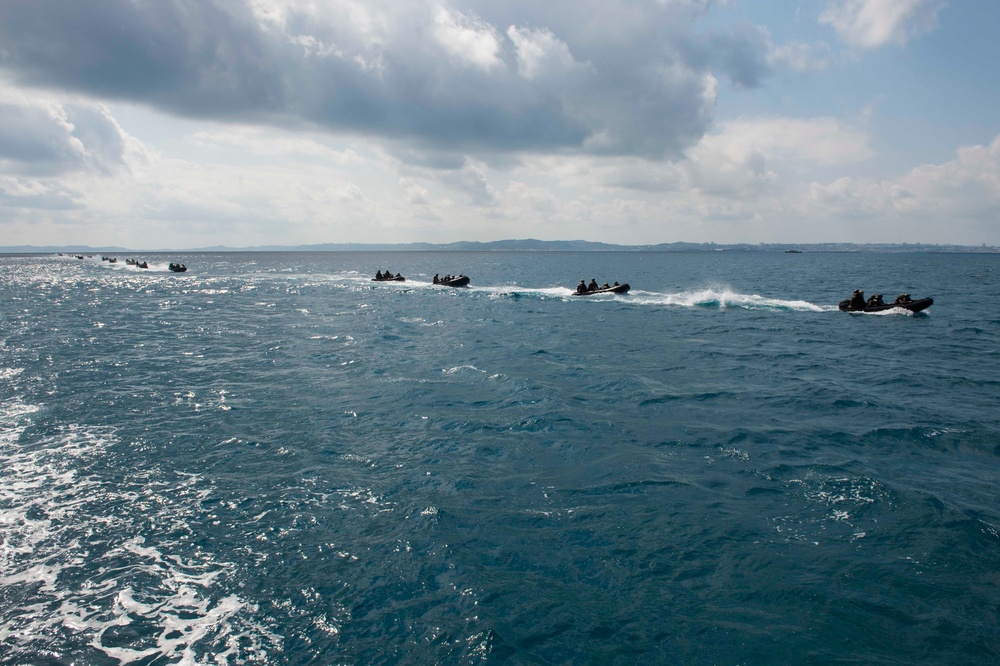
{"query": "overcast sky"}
(190, 123)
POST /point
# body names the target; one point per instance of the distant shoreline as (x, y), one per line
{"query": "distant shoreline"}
(529, 245)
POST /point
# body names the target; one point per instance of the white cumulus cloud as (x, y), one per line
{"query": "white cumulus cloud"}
(540, 53)
(955, 201)
(467, 39)
(870, 24)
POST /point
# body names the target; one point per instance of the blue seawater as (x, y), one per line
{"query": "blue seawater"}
(271, 459)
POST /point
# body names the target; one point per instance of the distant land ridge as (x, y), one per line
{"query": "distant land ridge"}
(528, 245)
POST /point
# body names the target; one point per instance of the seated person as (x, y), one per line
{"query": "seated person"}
(436, 280)
(378, 275)
(593, 285)
(582, 287)
(903, 298)
(857, 300)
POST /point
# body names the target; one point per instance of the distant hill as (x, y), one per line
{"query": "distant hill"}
(521, 245)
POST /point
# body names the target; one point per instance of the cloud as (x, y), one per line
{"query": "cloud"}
(735, 171)
(869, 24)
(618, 77)
(18, 193)
(540, 54)
(467, 39)
(964, 189)
(746, 159)
(416, 194)
(43, 137)
(473, 183)
(812, 141)
(740, 55)
(265, 144)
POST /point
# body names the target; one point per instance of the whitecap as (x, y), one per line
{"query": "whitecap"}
(461, 368)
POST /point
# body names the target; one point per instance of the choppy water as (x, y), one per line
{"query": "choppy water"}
(271, 459)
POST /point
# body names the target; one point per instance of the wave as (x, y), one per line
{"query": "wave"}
(78, 569)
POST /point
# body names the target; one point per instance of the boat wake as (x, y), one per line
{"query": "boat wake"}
(707, 297)
(120, 264)
(724, 298)
(702, 297)
(891, 312)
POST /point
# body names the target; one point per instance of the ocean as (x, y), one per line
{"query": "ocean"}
(271, 459)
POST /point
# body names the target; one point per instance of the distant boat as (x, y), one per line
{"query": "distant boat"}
(793, 251)
(616, 289)
(177, 268)
(390, 278)
(911, 305)
(458, 281)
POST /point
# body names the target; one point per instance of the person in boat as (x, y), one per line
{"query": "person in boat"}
(593, 285)
(903, 298)
(606, 286)
(399, 275)
(616, 283)
(436, 279)
(582, 287)
(378, 275)
(875, 300)
(857, 300)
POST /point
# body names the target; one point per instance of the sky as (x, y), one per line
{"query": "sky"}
(195, 123)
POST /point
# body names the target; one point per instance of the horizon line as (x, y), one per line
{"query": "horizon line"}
(528, 244)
